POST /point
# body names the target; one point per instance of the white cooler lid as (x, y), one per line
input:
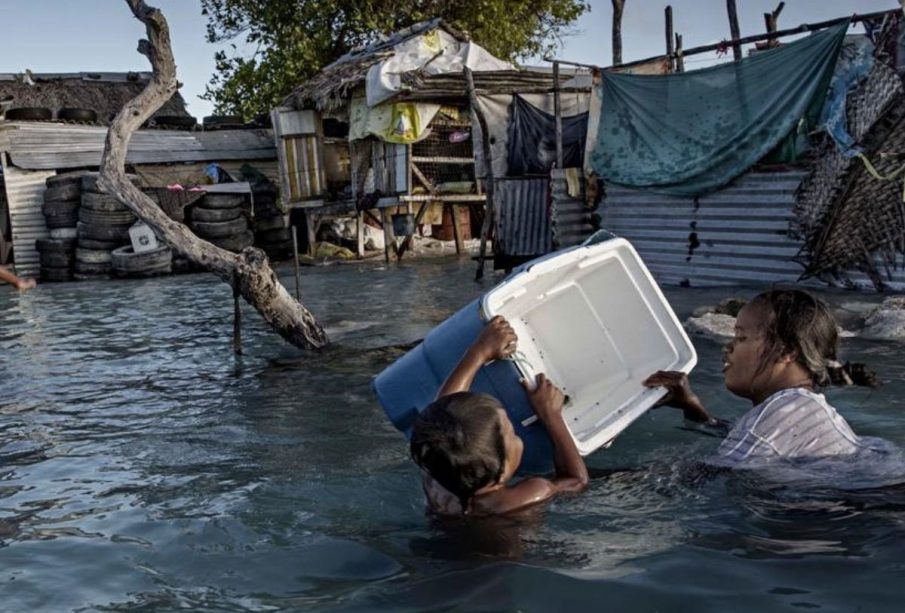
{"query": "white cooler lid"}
(596, 323)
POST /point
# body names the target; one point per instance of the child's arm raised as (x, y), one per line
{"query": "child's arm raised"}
(571, 472)
(496, 341)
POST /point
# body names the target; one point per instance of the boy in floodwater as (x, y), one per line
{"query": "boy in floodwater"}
(784, 349)
(468, 449)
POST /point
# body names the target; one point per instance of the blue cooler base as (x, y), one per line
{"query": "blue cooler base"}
(411, 383)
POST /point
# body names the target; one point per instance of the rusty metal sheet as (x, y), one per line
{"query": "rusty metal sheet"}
(738, 235)
(521, 217)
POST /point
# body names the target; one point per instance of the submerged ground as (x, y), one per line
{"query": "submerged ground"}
(144, 467)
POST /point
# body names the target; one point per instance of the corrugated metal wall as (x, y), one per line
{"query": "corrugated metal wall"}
(736, 235)
(521, 216)
(571, 217)
(24, 195)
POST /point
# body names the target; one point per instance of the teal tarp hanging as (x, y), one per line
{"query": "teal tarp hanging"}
(688, 134)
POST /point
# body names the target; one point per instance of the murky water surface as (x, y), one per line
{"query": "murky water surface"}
(144, 467)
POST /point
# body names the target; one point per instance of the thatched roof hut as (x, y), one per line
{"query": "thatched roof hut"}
(104, 93)
(331, 88)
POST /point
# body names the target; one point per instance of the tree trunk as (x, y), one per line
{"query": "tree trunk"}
(618, 6)
(248, 271)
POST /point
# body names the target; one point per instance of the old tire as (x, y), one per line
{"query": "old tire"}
(56, 259)
(175, 121)
(207, 215)
(89, 181)
(87, 243)
(93, 256)
(102, 202)
(126, 260)
(70, 233)
(270, 237)
(66, 191)
(29, 114)
(92, 268)
(110, 218)
(235, 243)
(51, 208)
(222, 201)
(52, 245)
(103, 232)
(220, 229)
(53, 275)
(270, 223)
(75, 114)
(55, 222)
(66, 178)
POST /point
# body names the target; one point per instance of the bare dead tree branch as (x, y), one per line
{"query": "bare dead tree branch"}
(249, 271)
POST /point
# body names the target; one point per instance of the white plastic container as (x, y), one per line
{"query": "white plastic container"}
(142, 237)
(596, 323)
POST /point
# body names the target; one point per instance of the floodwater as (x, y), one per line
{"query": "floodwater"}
(144, 467)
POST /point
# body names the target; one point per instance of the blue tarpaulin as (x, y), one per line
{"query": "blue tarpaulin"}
(690, 133)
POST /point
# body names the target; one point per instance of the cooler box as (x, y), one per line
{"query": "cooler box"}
(591, 318)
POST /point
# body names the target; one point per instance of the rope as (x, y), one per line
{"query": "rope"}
(881, 177)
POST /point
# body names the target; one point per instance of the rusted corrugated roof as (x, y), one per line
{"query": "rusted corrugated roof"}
(50, 145)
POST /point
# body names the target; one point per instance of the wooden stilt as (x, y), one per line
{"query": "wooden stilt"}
(457, 229)
(237, 317)
(386, 235)
(298, 274)
(488, 172)
(360, 234)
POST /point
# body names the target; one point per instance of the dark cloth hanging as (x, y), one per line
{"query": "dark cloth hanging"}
(532, 139)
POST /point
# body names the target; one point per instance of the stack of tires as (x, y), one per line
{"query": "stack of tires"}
(271, 233)
(61, 204)
(103, 225)
(57, 256)
(61, 214)
(221, 219)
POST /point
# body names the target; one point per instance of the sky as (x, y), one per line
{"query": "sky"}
(101, 35)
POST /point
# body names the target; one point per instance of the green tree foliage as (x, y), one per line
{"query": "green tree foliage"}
(274, 45)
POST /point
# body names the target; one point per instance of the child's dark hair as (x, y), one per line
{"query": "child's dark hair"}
(458, 440)
(799, 323)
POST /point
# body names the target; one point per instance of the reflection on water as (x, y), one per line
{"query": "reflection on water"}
(144, 467)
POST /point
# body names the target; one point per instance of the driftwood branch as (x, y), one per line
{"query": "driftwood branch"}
(249, 272)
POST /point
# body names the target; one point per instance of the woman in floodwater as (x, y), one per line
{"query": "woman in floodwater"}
(784, 349)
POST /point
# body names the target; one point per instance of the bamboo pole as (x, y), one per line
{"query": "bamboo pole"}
(680, 55)
(734, 31)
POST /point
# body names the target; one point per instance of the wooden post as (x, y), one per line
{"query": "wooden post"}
(680, 57)
(770, 20)
(488, 172)
(670, 46)
(360, 234)
(457, 229)
(618, 6)
(237, 317)
(734, 32)
(298, 274)
(386, 235)
(557, 113)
